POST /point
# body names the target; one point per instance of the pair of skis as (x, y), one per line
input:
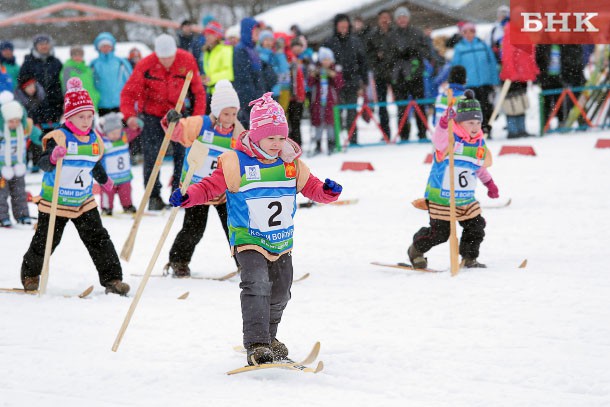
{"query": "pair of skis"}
(303, 366)
(406, 266)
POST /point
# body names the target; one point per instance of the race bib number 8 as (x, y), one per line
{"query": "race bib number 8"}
(116, 164)
(271, 214)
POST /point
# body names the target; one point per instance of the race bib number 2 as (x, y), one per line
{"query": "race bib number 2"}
(271, 214)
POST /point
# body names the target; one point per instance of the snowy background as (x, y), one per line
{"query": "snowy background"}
(503, 336)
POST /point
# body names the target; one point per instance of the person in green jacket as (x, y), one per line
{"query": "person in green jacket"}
(76, 66)
(217, 58)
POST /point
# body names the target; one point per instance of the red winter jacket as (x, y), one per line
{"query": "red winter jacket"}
(154, 90)
(518, 61)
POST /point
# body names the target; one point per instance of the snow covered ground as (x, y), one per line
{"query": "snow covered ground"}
(503, 336)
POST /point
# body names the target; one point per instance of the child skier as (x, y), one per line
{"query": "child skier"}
(456, 81)
(471, 159)
(116, 162)
(81, 163)
(325, 81)
(218, 132)
(261, 179)
(15, 128)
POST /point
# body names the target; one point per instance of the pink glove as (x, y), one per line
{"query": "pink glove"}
(444, 121)
(108, 185)
(57, 153)
(492, 189)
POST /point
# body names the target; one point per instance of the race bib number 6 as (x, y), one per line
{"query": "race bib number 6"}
(465, 179)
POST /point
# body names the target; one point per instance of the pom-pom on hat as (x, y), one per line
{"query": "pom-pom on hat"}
(267, 118)
(468, 108)
(77, 99)
(224, 96)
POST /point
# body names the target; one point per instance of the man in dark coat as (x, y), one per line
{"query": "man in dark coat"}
(349, 53)
(409, 52)
(43, 66)
(379, 54)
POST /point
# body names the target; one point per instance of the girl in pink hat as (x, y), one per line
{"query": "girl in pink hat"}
(261, 178)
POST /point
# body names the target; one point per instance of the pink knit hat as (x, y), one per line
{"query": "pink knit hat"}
(267, 118)
(77, 99)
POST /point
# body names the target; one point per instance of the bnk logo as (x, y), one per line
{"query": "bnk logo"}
(560, 22)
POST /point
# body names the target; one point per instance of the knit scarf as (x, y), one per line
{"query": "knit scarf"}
(20, 148)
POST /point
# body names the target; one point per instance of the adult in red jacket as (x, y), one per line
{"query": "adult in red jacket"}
(518, 65)
(153, 89)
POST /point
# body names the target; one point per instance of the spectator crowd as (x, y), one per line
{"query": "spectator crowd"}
(390, 61)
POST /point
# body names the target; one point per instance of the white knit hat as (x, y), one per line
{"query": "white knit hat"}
(11, 109)
(224, 96)
(325, 53)
(165, 46)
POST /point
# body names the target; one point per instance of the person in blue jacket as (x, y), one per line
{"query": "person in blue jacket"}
(109, 73)
(481, 68)
(247, 69)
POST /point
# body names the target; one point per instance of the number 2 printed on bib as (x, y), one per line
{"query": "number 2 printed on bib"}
(271, 215)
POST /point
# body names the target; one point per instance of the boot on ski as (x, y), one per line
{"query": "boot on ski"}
(180, 269)
(417, 259)
(280, 351)
(259, 353)
(31, 283)
(117, 287)
(473, 263)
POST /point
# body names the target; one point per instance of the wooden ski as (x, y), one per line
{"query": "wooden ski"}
(286, 363)
(84, 294)
(406, 266)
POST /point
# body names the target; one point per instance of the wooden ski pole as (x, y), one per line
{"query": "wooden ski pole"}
(129, 243)
(195, 159)
(44, 276)
(453, 242)
(498, 106)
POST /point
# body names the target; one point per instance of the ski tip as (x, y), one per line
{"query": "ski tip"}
(85, 293)
(184, 296)
(303, 277)
(319, 367)
(523, 264)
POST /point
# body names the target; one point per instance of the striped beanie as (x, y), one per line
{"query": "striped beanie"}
(77, 99)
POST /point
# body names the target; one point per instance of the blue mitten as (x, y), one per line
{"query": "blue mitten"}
(177, 199)
(331, 187)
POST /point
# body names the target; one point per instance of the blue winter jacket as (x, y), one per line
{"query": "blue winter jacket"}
(247, 66)
(109, 73)
(479, 61)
